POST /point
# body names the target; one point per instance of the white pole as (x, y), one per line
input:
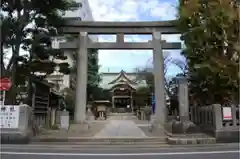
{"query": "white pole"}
(3, 100)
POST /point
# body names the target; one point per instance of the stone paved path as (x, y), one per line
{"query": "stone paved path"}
(75, 130)
(120, 128)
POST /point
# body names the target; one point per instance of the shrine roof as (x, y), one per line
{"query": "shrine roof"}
(122, 77)
(110, 79)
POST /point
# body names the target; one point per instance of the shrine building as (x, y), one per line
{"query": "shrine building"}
(122, 87)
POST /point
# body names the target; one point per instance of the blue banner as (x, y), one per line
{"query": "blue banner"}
(153, 104)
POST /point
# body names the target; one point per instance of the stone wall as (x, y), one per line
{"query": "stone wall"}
(16, 124)
(210, 119)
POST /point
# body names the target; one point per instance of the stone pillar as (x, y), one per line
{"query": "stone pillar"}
(90, 115)
(113, 106)
(131, 102)
(20, 129)
(217, 118)
(81, 86)
(64, 120)
(183, 98)
(158, 63)
(53, 116)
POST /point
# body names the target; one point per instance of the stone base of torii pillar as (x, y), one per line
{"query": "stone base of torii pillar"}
(86, 124)
(155, 126)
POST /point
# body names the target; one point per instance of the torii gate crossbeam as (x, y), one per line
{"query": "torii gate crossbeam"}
(74, 25)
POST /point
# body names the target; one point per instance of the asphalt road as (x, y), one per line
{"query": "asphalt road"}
(229, 151)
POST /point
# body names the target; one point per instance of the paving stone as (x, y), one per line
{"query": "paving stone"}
(121, 128)
(75, 130)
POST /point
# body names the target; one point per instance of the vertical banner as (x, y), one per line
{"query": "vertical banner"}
(153, 104)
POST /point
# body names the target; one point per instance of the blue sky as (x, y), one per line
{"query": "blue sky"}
(133, 10)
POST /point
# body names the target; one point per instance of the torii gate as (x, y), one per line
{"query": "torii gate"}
(82, 43)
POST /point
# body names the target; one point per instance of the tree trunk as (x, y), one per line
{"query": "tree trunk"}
(12, 93)
(29, 91)
(3, 70)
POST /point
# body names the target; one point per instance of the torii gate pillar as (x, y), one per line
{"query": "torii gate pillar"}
(159, 85)
(81, 86)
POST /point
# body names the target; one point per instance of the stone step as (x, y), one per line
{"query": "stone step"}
(102, 143)
(117, 115)
(91, 147)
(188, 135)
(120, 114)
(185, 141)
(100, 140)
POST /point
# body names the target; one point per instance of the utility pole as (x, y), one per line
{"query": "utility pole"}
(238, 43)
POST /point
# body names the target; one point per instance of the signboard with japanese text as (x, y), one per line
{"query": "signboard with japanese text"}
(227, 113)
(9, 117)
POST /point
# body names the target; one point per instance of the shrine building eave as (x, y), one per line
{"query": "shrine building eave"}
(122, 77)
(122, 85)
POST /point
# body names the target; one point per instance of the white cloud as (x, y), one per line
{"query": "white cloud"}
(131, 10)
(165, 11)
(148, 5)
(125, 10)
(114, 10)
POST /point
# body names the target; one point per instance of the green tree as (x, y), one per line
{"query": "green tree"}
(142, 96)
(210, 32)
(28, 26)
(93, 90)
